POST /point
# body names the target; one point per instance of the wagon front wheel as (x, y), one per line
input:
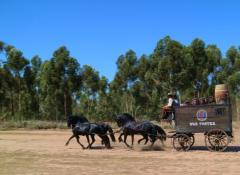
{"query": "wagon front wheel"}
(216, 140)
(182, 142)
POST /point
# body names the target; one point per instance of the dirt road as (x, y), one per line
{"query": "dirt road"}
(43, 152)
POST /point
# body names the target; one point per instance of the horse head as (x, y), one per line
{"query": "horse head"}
(73, 120)
(69, 121)
(124, 118)
(162, 134)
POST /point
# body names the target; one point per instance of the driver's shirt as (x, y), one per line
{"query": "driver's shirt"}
(170, 102)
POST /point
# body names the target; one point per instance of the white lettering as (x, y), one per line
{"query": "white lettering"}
(202, 124)
(193, 124)
(207, 123)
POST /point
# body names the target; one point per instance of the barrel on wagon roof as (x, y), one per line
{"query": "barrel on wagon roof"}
(221, 94)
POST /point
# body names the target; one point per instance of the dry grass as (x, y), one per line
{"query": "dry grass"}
(32, 124)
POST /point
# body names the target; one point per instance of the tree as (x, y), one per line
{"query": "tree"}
(47, 89)
(54, 88)
(90, 88)
(16, 63)
(123, 81)
(59, 80)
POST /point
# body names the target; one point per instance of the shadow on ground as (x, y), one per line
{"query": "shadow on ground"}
(204, 148)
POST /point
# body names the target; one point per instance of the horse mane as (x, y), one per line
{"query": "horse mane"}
(129, 116)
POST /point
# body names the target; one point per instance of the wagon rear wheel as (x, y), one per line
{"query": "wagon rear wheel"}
(216, 140)
(192, 140)
(182, 142)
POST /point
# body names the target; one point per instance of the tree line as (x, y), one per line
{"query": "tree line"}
(51, 89)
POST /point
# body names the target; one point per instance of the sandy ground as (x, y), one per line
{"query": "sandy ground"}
(43, 152)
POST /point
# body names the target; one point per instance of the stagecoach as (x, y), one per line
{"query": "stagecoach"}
(213, 120)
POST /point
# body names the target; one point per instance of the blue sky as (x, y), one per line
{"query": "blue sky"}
(98, 31)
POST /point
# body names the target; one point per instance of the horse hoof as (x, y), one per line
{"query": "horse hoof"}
(129, 146)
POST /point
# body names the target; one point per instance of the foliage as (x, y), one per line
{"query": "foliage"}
(56, 87)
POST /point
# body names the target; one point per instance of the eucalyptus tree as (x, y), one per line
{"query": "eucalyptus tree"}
(36, 63)
(7, 82)
(198, 54)
(59, 80)
(229, 70)
(105, 108)
(16, 63)
(167, 71)
(48, 87)
(205, 61)
(214, 58)
(90, 88)
(124, 79)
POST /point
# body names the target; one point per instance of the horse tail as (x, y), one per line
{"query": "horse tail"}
(111, 133)
(163, 135)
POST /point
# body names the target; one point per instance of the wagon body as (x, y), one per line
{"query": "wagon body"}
(214, 120)
(203, 118)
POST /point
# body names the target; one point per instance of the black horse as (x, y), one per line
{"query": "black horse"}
(145, 128)
(87, 129)
(72, 120)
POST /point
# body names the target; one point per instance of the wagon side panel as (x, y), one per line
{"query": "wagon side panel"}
(198, 119)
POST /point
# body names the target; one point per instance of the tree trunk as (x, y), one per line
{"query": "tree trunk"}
(65, 105)
(237, 107)
(56, 113)
(38, 106)
(12, 106)
(19, 94)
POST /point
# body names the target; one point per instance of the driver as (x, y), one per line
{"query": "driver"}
(172, 101)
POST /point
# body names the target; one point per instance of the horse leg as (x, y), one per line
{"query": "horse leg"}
(120, 137)
(144, 137)
(139, 141)
(125, 140)
(69, 140)
(161, 139)
(162, 142)
(93, 140)
(78, 140)
(146, 140)
(153, 139)
(132, 139)
(107, 142)
(88, 140)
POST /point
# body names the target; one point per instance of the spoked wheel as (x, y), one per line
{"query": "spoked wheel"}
(217, 140)
(192, 139)
(182, 142)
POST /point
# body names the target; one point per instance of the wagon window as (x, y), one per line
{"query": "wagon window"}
(220, 111)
